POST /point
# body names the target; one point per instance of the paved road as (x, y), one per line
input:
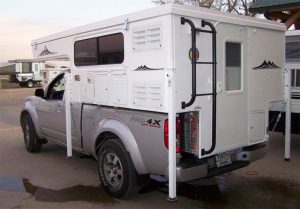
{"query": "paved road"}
(49, 180)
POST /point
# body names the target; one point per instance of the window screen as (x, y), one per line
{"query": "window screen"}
(86, 52)
(102, 50)
(111, 49)
(233, 66)
(26, 67)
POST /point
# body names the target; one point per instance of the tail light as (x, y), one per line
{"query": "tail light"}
(178, 134)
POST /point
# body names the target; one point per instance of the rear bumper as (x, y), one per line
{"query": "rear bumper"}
(203, 168)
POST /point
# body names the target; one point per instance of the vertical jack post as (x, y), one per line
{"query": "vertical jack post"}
(68, 112)
(172, 135)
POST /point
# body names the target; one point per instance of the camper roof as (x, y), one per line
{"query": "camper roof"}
(292, 33)
(21, 60)
(183, 10)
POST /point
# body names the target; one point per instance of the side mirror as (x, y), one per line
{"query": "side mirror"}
(39, 93)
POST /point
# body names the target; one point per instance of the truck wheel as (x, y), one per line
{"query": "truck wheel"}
(32, 141)
(116, 171)
(30, 84)
(22, 85)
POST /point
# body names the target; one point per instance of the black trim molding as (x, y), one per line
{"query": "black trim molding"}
(266, 65)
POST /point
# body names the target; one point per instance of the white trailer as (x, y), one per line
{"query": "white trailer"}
(26, 72)
(215, 70)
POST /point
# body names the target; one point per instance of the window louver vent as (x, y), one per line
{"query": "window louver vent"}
(148, 38)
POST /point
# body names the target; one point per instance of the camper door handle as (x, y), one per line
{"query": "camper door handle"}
(219, 87)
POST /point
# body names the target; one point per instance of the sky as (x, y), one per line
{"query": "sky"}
(24, 20)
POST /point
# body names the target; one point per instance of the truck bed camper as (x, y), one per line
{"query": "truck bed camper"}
(177, 91)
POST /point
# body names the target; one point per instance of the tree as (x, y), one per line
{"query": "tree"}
(240, 7)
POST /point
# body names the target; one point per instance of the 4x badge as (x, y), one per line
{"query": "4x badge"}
(152, 123)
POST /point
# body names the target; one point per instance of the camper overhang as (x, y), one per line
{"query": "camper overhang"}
(183, 10)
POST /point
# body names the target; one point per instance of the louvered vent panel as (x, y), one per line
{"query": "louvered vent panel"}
(139, 95)
(155, 96)
(148, 95)
(145, 39)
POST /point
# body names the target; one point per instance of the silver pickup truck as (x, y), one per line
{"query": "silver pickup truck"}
(129, 145)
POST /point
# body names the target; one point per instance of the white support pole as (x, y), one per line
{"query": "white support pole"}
(172, 135)
(68, 113)
(287, 93)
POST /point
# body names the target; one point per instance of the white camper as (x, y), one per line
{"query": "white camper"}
(290, 108)
(293, 64)
(26, 72)
(48, 74)
(217, 72)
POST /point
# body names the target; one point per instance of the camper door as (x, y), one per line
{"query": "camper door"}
(232, 87)
(231, 51)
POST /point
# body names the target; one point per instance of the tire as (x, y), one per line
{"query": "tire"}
(116, 171)
(31, 140)
(22, 84)
(30, 84)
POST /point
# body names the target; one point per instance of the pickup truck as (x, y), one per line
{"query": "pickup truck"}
(128, 145)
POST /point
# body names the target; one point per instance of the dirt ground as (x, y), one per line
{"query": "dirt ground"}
(49, 180)
(5, 84)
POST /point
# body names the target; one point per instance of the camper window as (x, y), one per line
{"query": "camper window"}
(111, 49)
(292, 51)
(102, 50)
(26, 67)
(86, 52)
(295, 78)
(36, 67)
(233, 66)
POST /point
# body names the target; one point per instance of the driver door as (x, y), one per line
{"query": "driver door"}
(51, 111)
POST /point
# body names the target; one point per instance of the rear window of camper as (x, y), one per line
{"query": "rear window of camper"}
(233, 66)
(103, 50)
